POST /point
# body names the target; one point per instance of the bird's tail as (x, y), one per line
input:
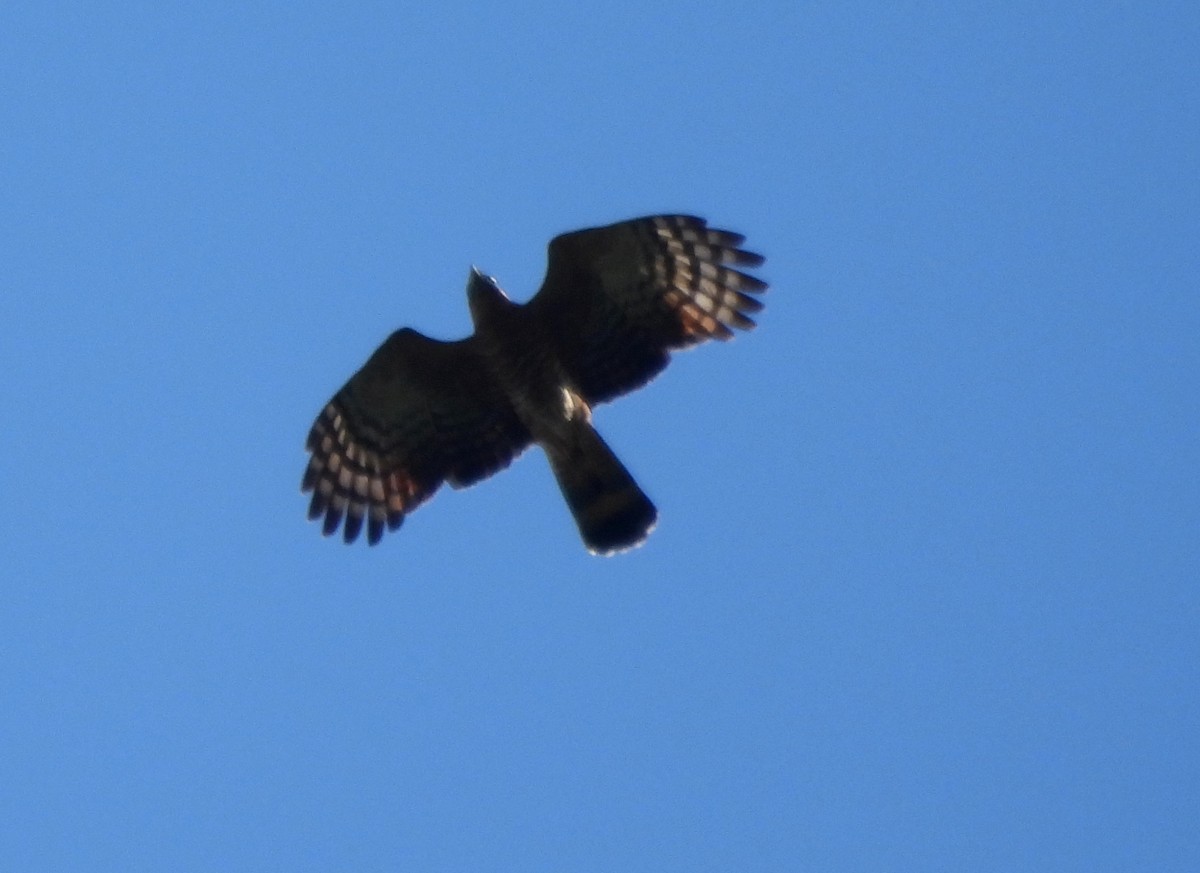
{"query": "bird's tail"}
(610, 509)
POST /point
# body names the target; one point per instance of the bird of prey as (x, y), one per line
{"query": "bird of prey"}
(615, 301)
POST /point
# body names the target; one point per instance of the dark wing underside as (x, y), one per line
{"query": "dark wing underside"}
(420, 412)
(617, 299)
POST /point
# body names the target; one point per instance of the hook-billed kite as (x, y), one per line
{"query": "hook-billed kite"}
(615, 301)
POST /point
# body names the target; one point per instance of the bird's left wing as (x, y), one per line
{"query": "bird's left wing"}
(617, 299)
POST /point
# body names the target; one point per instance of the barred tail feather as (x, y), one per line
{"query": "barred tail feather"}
(610, 509)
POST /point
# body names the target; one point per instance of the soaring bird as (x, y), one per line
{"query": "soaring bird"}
(616, 300)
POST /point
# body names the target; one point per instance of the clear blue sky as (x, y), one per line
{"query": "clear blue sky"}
(923, 594)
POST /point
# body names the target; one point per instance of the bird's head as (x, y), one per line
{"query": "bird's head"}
(483, 294)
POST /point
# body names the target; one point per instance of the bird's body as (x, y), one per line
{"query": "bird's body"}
(609, 508)
(523, 359)
(614, 302)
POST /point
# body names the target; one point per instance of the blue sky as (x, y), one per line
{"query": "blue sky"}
(923, 591)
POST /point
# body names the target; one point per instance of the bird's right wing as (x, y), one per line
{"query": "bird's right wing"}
(420, 412)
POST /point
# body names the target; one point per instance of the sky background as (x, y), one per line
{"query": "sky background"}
(923, 593)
